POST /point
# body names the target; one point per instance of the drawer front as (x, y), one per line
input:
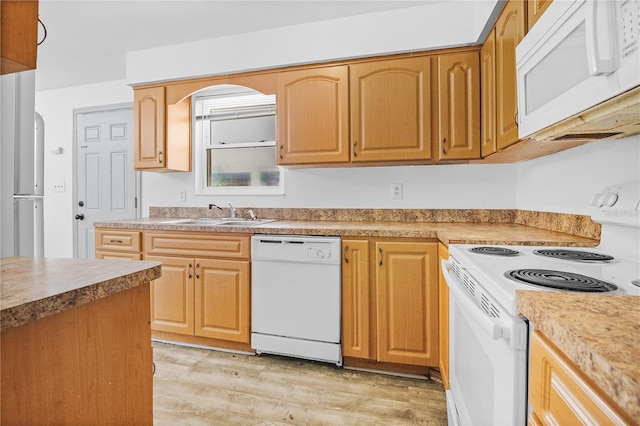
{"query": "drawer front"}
(118, 240)
(197, 244)
(117, 255)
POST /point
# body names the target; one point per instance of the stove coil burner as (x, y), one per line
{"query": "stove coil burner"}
(574, 255)
(560, 280)
(495, 251)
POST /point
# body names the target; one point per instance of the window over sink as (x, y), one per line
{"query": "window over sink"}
(235, 140)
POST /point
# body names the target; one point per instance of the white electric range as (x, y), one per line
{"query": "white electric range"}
(489, 341)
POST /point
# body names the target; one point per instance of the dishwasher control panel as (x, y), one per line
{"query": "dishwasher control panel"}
(319, 253)
(296, 248)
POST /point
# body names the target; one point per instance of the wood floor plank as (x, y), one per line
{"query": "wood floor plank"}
(194, 386)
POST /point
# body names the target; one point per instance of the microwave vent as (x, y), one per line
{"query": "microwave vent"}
(586, 136)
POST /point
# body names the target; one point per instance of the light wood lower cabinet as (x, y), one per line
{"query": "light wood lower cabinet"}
(390, 302)
(118, 244)
(560, 394)
(206, 295)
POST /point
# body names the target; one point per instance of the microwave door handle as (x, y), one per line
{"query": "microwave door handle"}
(474, 312)
(600, 36)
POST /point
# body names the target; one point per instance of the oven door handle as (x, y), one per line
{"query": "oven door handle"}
(476, 314)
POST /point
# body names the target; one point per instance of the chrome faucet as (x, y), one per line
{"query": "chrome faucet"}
(232, 210)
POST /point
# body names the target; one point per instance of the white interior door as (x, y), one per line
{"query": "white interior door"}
(107, 186)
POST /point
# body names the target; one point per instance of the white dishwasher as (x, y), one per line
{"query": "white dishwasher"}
(295, 296)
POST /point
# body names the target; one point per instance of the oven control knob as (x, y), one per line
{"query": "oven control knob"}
(610, 198)
(597, 200)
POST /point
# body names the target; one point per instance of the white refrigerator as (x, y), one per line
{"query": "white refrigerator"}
(22, 168)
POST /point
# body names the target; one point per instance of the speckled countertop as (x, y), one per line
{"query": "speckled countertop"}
(599, 333)
(447, 232)
(33, 288)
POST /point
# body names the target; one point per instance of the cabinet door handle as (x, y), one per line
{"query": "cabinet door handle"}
(197, 273)
(346, 259)
(380, 250)
(160, 157)
(444, 146)
(355, 143)
(190, 271)
(515, 118)
(280, 152)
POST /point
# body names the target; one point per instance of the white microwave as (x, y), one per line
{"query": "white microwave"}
(578, 54)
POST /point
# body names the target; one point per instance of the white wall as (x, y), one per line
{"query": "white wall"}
(56, 108)
(445, 186)
(567, 181)
(437, 25)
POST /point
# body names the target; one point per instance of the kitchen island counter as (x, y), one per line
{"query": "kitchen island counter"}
(600, 334)
(34, 288)
(76, 341)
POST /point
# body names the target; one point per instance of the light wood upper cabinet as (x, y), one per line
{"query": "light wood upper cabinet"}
(488, 144)
(535, 9)
(313, 116)
(443, 313)
(18, 35)
(510, 29)
(391, 110)
(356, 299)
(457, 111)
(162, 131)
(561, 395)
(407, 302)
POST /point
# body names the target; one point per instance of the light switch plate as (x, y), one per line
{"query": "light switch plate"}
(60, 187)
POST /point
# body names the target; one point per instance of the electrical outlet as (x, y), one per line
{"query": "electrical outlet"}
(183, 195)
(396, 191)
(60, 187)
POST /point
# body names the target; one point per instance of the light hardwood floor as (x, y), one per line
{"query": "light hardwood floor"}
(195, 386)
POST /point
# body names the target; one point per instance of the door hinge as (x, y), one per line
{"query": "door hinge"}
(135, 202)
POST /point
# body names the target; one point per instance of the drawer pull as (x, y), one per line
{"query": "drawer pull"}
(116, 241)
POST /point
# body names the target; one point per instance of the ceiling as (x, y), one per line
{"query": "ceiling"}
(87, 40)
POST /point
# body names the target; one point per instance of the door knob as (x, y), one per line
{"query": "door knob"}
(80, 216)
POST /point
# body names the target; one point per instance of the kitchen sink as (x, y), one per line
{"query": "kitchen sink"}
(203, 221)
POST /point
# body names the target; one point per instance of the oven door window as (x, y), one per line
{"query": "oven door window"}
(487, 377)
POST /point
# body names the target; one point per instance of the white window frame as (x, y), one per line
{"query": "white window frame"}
(201, 146)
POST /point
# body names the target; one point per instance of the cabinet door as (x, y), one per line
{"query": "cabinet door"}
(457, 115)
(488, 95)
(535, 9)
(313, 116)
(560, 394)
(149, 119)
(356, 299)
(407, 302)
(172, 296)
(443, 314)
(510, 28)
(222, 300)
(19, 35)
(390, 110)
